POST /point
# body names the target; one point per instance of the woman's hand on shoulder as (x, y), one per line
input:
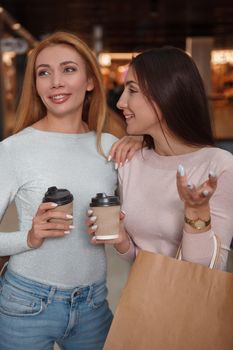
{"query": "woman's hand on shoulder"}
(42, 228)
(124, 149)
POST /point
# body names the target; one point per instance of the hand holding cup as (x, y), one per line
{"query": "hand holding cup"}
(53, 217)
(107, 228)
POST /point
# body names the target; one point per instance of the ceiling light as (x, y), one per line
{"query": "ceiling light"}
(16, 26)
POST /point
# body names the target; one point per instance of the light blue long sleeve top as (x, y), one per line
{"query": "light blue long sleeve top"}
(30, 162)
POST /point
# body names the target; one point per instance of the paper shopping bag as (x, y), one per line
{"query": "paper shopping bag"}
(173, 305)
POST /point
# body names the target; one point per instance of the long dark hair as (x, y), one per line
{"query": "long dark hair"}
(169, 77)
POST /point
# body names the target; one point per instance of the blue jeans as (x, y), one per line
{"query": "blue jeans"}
(33, 316)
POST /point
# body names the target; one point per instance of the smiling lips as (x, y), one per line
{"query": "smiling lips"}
(59, 98)
(128, 117)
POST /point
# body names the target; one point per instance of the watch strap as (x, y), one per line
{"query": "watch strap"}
(194, 223)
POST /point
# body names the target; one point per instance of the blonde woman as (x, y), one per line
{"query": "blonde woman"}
(54, 289)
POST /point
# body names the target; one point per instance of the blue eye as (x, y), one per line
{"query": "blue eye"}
(43, 73)
(70, 69)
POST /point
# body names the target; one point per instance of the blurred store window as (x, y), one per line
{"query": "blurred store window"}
(15, 42)
(222, 96)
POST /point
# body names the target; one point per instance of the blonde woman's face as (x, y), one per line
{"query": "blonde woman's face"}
(61, 80)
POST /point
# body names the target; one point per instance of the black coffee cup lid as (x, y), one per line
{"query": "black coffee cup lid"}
(59, 196)
(102, 200)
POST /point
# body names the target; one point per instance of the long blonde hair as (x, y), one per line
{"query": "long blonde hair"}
(31, 108)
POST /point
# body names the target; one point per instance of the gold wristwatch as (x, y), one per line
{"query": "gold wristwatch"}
(198, 224)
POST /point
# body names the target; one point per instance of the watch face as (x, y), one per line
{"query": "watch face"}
(199, 224)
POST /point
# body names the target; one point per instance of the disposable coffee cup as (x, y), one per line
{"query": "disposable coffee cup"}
(64, 200)
(107, 210)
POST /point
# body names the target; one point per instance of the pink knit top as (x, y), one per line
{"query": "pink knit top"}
(155, 214)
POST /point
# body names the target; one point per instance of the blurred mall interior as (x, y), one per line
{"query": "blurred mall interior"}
(117, 30)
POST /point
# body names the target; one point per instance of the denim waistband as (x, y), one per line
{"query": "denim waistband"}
(51, 292)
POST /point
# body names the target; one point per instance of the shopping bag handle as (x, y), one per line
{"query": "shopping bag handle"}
(215, 255)
(3, 269)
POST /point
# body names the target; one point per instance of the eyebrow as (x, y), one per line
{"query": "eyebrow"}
(130, 82)
(61, 64)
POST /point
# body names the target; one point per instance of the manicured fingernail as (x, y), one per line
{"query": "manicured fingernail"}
(181, 170)
(94, 227)
(66, 232)
(93, 218)
(212, 173)
(89, 212)
(123, 212)
(205, 193)
(69, 216)
(109, 158)
(120, 165)
(93, 238)
(54, 205)
(126, 161)
(116, 166)
(190, 185)
(71, 226)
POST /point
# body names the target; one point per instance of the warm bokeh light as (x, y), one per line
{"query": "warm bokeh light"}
(222, 56)
(105, 59)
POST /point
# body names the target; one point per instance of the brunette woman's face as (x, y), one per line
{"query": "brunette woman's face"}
(140, 116)
(61, 80)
